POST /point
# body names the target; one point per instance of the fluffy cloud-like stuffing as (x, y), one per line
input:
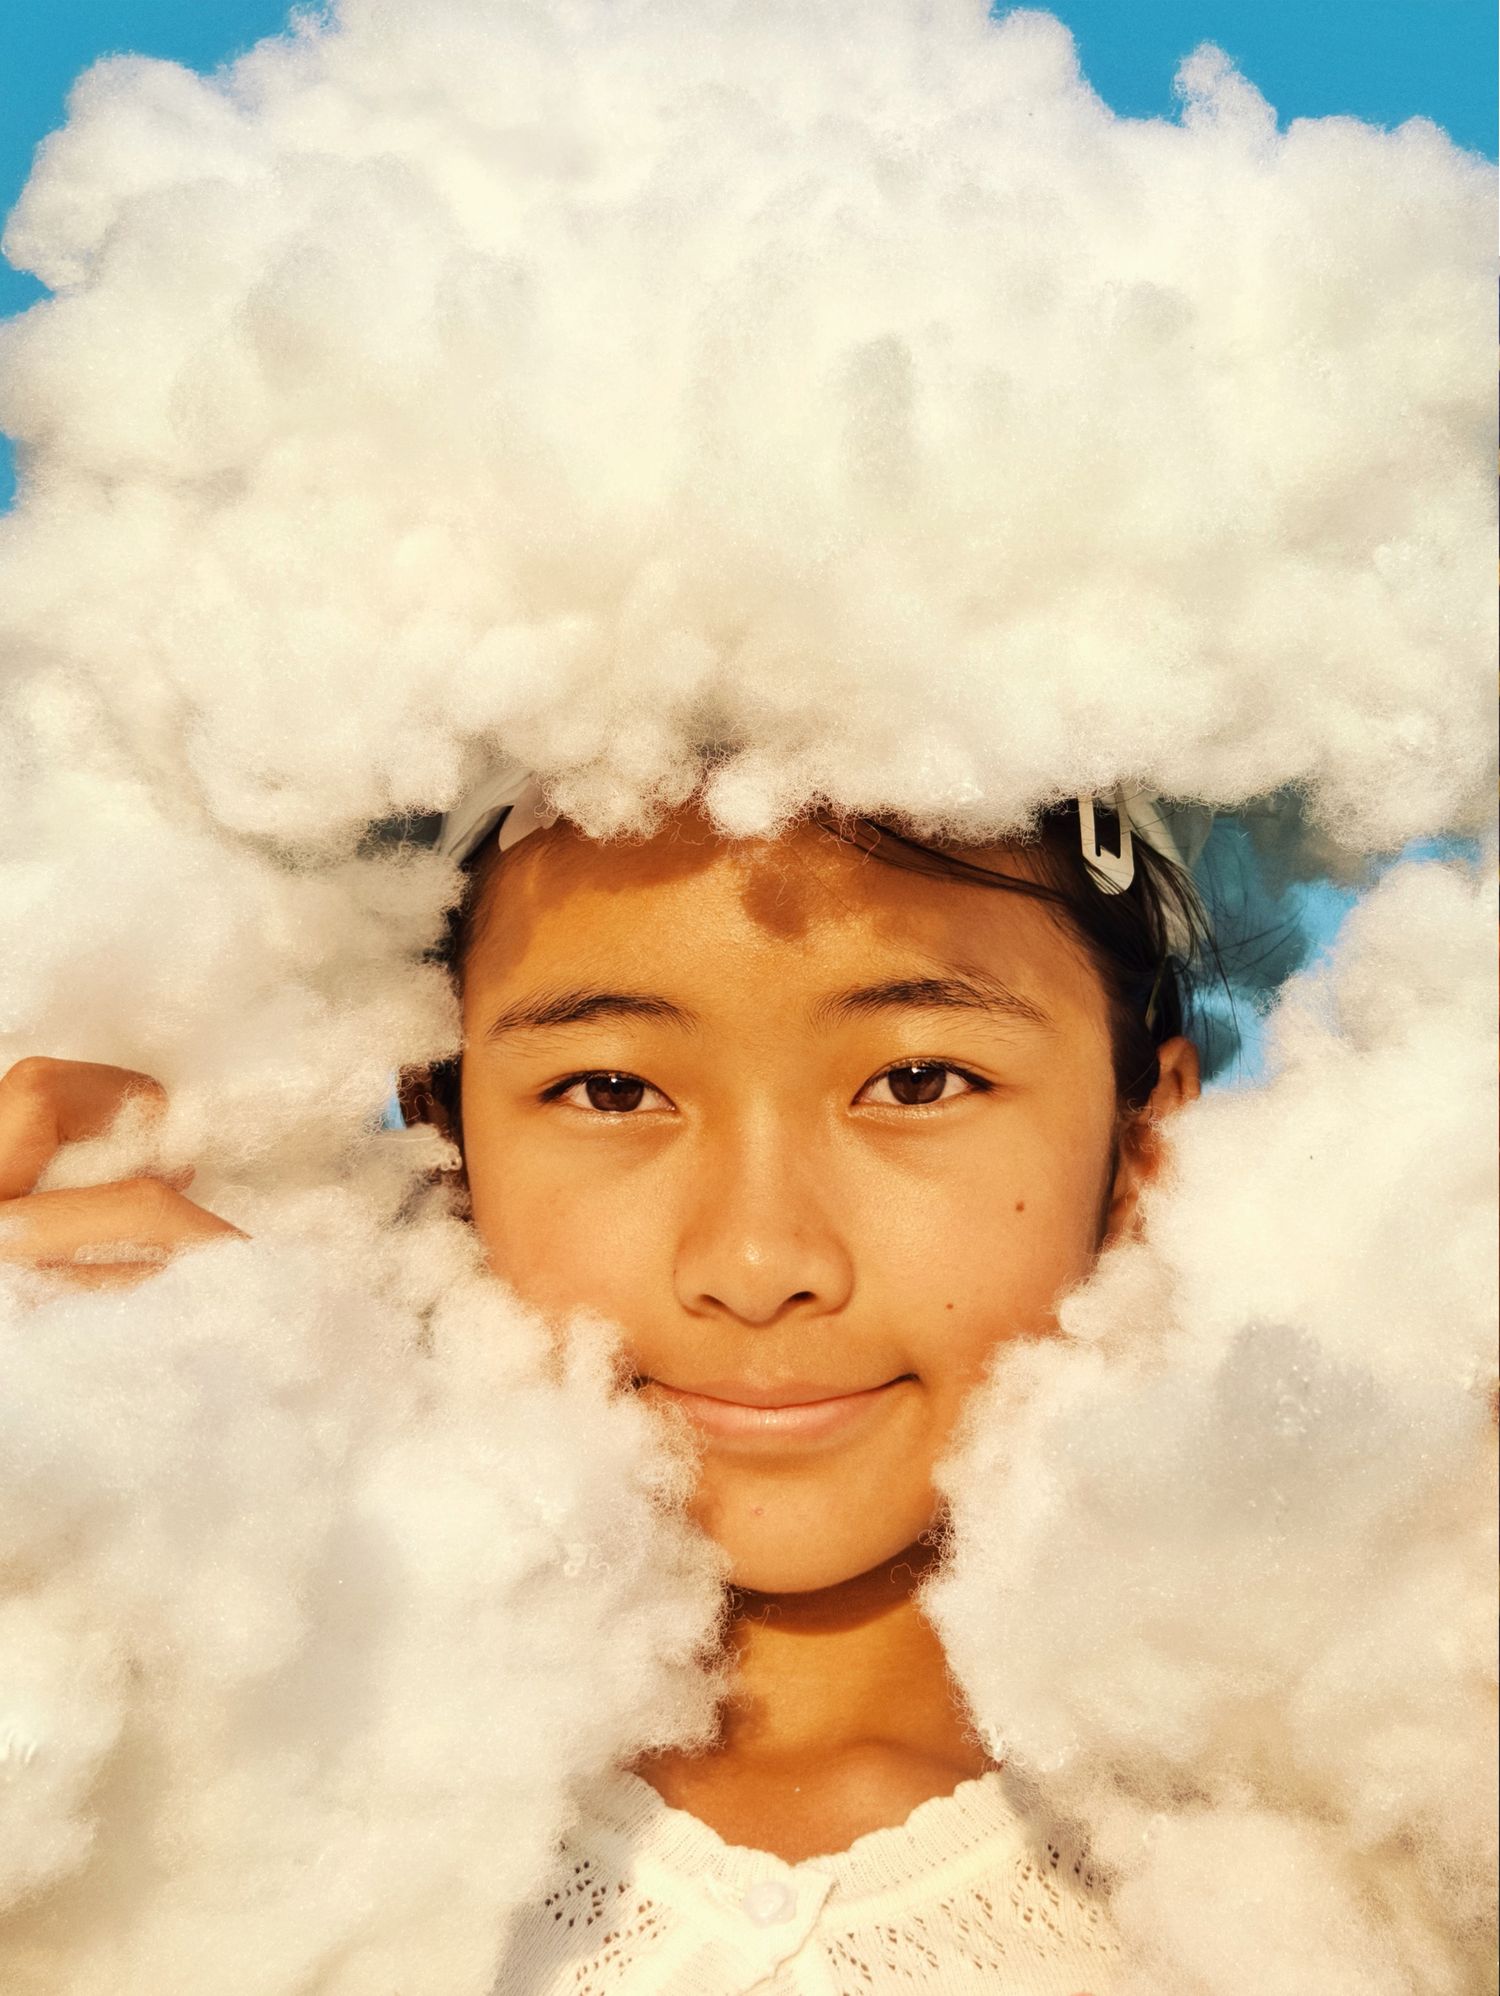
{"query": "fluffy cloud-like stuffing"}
(854, 393)
(325, 1580)
(1225, 1553)
(853, 388)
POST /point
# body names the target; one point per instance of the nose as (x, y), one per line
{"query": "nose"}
(758, 1242)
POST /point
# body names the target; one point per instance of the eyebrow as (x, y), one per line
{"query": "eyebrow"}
(574, 1008)
(973, 991)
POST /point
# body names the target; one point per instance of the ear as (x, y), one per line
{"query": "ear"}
(424, 1100)
(1140, 1143)
(420, 1101)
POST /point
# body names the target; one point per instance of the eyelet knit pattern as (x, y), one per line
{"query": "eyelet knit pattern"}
(970, 1894)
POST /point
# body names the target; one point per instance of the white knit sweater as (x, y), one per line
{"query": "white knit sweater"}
(970, 1894)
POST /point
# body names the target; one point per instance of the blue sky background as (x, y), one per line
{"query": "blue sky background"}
(1382, 60)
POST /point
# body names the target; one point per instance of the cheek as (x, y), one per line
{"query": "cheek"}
(559, 1243)
(976, 1256)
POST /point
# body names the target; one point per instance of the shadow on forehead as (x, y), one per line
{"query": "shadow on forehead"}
(787, 885)
(825, 868)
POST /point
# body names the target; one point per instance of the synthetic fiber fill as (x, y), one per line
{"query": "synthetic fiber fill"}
(847, 404)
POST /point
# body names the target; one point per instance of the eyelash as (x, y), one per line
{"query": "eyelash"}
(975, 1084)
(556, 1090)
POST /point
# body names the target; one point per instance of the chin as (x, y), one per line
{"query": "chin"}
(786, 1548)
(776, 1570)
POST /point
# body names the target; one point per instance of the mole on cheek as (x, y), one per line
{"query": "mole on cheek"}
(1020, 1205)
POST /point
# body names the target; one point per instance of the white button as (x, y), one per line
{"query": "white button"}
(770, 1902)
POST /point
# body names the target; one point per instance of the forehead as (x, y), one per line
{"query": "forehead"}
(690, 909)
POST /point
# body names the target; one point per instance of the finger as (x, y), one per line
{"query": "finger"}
(45, 1104)
(134, 1220)
(61, 1276)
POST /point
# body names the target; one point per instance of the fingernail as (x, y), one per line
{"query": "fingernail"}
(113, 1252)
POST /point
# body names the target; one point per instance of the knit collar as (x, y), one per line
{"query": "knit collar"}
(940, 1832)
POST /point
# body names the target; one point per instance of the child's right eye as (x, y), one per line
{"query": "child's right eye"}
(607, 1091)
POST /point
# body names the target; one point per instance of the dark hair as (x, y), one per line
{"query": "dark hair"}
(1128, 935)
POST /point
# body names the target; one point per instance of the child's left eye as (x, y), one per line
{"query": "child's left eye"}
(916, 1083)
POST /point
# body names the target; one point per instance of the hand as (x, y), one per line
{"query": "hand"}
(96, 1236)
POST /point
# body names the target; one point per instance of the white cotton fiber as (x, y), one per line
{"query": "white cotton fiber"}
(331, 1585)
(859, 392)
(1225, 1551)
(852, 394)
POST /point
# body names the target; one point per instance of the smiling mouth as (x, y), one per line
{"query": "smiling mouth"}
(776, 1416)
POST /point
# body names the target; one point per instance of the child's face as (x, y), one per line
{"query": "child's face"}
(743, 1190)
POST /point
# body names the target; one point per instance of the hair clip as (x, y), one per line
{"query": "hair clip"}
(1115, 868)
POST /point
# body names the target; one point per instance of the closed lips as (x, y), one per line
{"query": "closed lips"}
(793, 1393)
(777, 1417)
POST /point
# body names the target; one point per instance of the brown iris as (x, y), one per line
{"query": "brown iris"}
(916, 1084)
(614, 1092)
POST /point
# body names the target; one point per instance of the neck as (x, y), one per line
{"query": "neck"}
(837, 1667)
(832, 1679)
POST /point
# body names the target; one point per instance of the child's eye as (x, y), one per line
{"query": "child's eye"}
(611, 1093)
(916, 1083)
